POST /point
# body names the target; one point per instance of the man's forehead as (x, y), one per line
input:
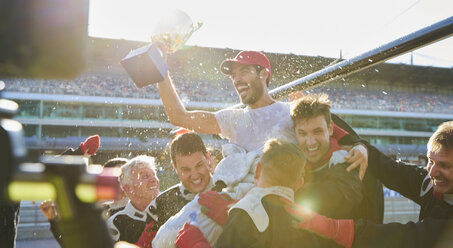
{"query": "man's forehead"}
(311, 123)
(189, 160)
(142, 168)
(442, 152)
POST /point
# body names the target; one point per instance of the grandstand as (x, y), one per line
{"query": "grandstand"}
(396, 107)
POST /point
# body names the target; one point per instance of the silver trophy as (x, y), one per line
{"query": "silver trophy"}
(146, 65)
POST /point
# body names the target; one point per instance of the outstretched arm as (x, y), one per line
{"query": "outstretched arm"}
(199, 121)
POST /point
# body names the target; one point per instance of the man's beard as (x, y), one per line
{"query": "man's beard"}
(256, 90)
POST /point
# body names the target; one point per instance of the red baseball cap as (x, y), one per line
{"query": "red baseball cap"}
(246, 58)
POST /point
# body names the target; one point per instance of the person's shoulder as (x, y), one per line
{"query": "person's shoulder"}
(170, 192)
(239, 219)
(230, 111)
(167, 198)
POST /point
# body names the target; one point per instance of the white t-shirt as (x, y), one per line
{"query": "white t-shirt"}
(251, 128)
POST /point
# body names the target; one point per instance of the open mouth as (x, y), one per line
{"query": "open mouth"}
(242, 89)
(198, 181)
(312, 149)
(438, 181)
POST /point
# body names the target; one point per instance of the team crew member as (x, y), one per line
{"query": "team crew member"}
(331, 191)
(190, 161)
(431, 188)
(259, 219)
(139, 182)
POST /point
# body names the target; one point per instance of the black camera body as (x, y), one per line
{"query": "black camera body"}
(45, 39)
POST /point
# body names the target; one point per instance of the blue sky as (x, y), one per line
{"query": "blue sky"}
(302, 27)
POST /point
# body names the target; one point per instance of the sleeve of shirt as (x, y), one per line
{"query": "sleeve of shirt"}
(55, 232)
(426, 233)
(239, 231)
(398, 176)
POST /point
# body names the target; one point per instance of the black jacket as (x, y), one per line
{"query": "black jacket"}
(127, 224)
(414, 183)
(335, 193)
(240, 230)
(167, 204)
(374, 194)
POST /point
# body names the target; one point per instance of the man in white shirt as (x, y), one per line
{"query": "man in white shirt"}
(262, 119)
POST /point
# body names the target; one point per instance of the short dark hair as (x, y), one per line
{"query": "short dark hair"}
(442, 138)
(282, 163)
(115, 162)
(186, 144)
(311, 105)
(216, 153)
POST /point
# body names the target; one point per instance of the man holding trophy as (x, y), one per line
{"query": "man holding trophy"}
(250, 72)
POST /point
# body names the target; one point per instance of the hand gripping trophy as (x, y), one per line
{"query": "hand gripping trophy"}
(145, 65)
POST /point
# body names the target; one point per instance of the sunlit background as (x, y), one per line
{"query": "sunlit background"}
(301, 27)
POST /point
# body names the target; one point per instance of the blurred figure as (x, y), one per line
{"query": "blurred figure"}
(140, 184)
(86, 148)
(422, 160)
(115, 162)
(9, 214)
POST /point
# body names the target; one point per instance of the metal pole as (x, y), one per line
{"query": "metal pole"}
(417, 39)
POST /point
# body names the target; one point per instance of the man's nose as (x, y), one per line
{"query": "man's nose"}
(235, 79)
(311, 140)
(433, 171)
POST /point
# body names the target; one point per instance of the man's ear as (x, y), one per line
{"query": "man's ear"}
(257, 173)
(330, 128)
(174, 166)
(126, 189)
(299, 183)
(264, 74)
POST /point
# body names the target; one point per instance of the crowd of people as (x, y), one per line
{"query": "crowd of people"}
(192, 89)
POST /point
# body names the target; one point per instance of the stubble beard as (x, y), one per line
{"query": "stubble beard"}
(257, 92)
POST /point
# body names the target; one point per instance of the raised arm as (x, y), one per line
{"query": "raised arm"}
(199, 121)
